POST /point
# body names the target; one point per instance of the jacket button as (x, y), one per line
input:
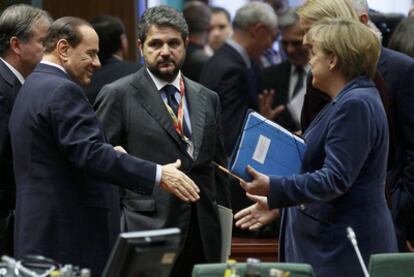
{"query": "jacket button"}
(302, 207)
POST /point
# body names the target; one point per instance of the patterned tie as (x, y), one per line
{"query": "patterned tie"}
(170, 91)
(171, 101)
(299, 83)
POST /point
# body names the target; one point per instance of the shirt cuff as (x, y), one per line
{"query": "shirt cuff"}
(158, 175)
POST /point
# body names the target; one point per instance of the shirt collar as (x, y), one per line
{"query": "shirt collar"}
(55, 65)
(160, 83)
(241, 51)
(16, 73)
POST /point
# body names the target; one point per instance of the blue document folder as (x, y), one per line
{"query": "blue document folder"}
(268, 148)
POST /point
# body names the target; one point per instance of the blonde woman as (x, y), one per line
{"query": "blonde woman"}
(344, 167)
(395, 82)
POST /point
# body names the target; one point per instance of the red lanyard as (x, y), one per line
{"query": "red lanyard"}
(178, 120)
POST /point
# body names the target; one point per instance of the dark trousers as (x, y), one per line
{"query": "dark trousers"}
(6, 233)
(192, 253)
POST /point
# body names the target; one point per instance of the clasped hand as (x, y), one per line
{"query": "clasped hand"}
(177, 183)
(258, 214)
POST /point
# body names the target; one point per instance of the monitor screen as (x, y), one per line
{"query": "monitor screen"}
(143, 254)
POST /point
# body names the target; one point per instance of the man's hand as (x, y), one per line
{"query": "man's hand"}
(177, 183)
(257, 215)
(265, 102)
(259, 185)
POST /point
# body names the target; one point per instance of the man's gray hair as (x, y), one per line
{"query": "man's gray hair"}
(360, 6)
(162, 16)
(17, 21)
(290, 18)
(253, 13)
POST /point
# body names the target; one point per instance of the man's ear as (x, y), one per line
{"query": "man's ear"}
(255, 29)
(140, 45)
(124, 46)
(62, 48)
(15, 45)
(363, 18)
(186, 42)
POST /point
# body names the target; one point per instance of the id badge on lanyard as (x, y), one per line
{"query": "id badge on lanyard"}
(178, 120)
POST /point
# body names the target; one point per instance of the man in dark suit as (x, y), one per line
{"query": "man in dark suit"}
(113, 48)
(398, 72)
(287, 81)
(233, 74)
(197, 15)
(22, 30)
(160, 115)
(64, 207)
(232, 71)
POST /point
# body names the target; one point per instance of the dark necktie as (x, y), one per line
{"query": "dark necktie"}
(299, 83)
(170, 91)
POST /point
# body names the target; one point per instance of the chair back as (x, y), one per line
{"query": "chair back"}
(217, 270)
(391, 264)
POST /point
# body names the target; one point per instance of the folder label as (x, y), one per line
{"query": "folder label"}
(261, 150)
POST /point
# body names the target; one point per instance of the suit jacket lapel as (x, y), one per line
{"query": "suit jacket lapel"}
(196, 102)
(6, 73)
(146, 93)
(10, 79)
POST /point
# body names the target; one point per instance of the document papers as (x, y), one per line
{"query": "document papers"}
(268, 148)
(226, 222)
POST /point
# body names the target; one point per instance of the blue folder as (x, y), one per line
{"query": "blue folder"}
(268, 148)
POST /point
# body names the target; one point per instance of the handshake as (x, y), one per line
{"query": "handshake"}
(175, 181)
(258, 214)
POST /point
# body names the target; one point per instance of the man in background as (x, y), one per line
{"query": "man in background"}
(197, 15)
(220, 29)
(275, 54)
(160, 115)
(286, 81)
(22, 30)
(113, 49)
(233, 73)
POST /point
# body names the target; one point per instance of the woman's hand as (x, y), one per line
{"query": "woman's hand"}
(257, 215)
(259, 185)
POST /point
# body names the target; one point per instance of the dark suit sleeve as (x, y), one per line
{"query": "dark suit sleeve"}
(405, 116)
(6, 103)
(80, 138)
(233, 93)
(222, 180)
(7, 183)
(109, 110)
(347, 147)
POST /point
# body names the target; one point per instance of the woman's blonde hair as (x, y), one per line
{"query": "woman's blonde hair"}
(314, 10)
(355, 45)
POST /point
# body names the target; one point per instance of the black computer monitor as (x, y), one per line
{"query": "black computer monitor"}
(143, 254)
